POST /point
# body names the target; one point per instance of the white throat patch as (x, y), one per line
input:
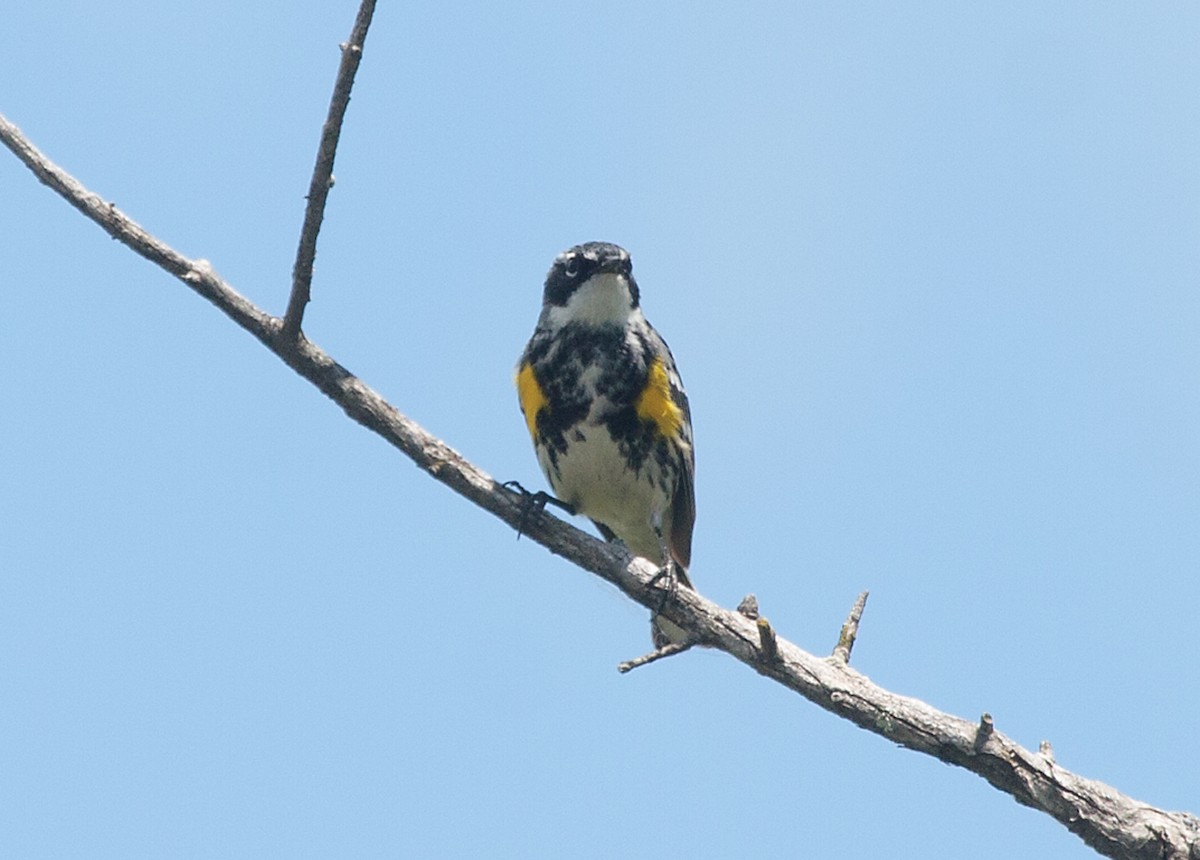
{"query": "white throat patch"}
(604, 299)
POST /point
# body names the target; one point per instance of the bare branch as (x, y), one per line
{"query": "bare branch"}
(1110, 822)
(841, 651)
(668, 650)
(197, 274)
(322, 178)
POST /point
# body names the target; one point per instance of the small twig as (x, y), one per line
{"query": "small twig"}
(322, 178)
(841, 651)
(986, 727)
(668, 650)
(1046, 751)
(749, 607)
(766, 641)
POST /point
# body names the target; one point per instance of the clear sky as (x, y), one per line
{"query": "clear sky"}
(931, 273)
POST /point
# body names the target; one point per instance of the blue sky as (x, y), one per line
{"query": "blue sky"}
(930, 274)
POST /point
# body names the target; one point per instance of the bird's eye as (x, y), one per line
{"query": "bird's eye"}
(571, 269)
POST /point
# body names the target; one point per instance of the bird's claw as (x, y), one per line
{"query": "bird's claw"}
(534, 504)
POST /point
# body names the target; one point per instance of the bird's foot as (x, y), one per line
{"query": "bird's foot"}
(534, 504)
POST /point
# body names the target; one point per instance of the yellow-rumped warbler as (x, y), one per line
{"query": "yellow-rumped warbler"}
(607, 411)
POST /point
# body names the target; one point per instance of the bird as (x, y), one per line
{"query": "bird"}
(606, 409)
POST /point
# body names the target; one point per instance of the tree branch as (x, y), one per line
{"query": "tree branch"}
(1112, 823)
(322, 178)
(668, 650)
(841, 651)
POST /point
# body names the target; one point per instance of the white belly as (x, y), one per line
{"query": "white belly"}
(592, 476)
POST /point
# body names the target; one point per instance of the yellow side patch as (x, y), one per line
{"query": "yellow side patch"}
(655, 403)
(533, 399)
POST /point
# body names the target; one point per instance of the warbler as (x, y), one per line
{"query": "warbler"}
(608, 414)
